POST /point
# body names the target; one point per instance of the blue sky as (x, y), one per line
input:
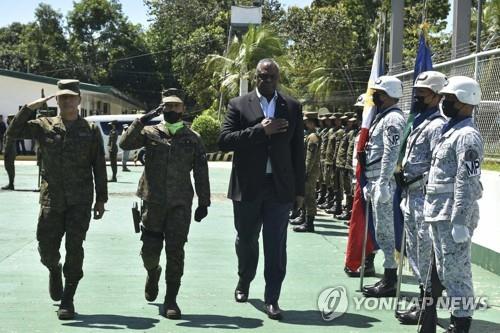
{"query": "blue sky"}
(22, 10)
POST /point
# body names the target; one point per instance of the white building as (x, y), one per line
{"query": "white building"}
(17, 89)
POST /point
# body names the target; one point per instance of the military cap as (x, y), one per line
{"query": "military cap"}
(336, 115)
(324, 113)
(352, 119)
(68, 87)
(310, 115)
(172, 95)
(350, 114)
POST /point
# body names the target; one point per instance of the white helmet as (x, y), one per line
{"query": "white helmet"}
(360, 101)
(391, 85)
(431, 80)
(466, 89)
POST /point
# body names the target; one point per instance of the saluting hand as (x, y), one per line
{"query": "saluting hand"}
(151, 114)
(35, 105)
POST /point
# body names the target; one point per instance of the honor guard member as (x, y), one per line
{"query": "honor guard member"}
(348, 173)
(452, 192)
(331, 148)
(381, 156)
(9, 157)
(73, 160)
(311, 146)
(425, 133)
(340, 157)
(172, 151)
(113, 148)
(325, 124)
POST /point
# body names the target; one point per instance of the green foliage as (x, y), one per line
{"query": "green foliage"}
(209, 130)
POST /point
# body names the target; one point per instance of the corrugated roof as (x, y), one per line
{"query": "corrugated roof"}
(109, 90)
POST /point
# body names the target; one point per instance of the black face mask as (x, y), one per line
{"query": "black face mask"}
(449, 109)
(377, 100)
(419, 104)
(171, 117)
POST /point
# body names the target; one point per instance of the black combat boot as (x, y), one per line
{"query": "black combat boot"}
(307, 226)
(295, 213)
(55, 283)
(369, 268)
(9, 186)
(299, 220)
(429, 319)
(66, 308)
(322, 195)
(328, 199)
(459, 324)
(411, 316)
(151, 287)
(171, 308)
(385, 287)
(369, 265)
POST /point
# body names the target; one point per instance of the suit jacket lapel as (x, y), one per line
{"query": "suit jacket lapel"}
(281, 110)
(254, 105)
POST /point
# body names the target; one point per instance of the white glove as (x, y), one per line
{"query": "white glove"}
(384, 191)
(460, 233)
(366, 193)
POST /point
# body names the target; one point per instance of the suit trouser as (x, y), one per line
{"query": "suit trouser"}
(53, 224)
(169, 224)
(125, 157)
(272, 216)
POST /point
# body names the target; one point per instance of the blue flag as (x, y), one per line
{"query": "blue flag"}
(423, 63)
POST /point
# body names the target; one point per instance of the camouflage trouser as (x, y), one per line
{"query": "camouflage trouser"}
(347, 187)
(453, 261)
(310, 195)
(418, 240)
(169, 224)
(320, 177)
(113, 162)
(338, 185)
(53, 223)
(9, 159)
(383, 218)
(328, 175)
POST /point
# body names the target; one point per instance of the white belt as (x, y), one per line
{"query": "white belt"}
(419, 184)
(440, 188)
(372, 173)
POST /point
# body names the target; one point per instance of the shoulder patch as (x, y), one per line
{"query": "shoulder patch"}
(393, 135)
(472, 163)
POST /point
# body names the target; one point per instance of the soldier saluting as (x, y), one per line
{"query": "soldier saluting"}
(72, 154)
(172, 151)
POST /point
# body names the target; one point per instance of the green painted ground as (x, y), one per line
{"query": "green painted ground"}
(110, 296)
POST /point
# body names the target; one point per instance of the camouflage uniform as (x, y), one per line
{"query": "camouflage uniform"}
(330, 157)
(323, 134)
(9, 157)
(70, 155)
(344, 183)
(311, 145)
(165, 187)
(113, 151)
(382, 150)
(415, 167)
(339, 162)
(451, 199)
(348, 166)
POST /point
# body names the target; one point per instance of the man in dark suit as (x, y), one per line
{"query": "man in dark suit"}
(265, 130)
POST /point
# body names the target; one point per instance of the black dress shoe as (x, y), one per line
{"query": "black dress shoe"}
(240, 296)
(273, 311)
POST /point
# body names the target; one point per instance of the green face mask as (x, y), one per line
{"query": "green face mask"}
(173, 128)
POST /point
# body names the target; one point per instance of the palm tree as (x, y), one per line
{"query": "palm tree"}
(242, 57)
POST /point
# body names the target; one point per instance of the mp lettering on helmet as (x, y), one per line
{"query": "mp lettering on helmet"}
(472, 163)
(393, 136)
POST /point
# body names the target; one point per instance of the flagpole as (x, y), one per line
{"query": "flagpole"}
(365, 238)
